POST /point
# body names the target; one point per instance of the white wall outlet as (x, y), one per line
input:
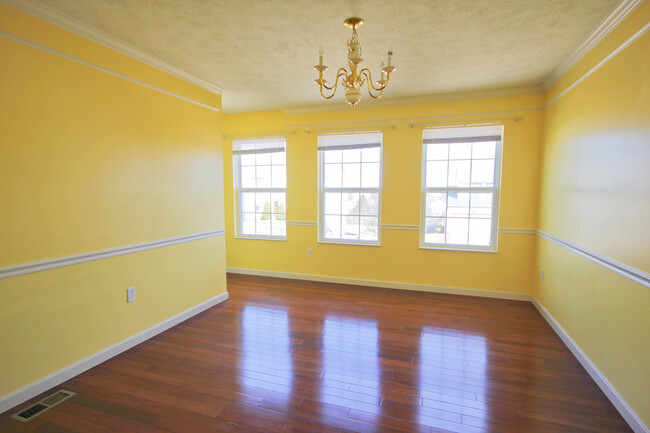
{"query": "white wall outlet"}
(542, 274)
(130, 294)
(308, 252)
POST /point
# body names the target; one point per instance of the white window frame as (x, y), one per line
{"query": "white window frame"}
(495, 189)
(322, 190)
(239, 190)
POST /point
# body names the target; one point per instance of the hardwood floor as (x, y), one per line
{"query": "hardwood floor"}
(293, 356)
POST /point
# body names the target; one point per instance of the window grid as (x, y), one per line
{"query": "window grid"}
(361, 220)
(261, 193)
(474, 212)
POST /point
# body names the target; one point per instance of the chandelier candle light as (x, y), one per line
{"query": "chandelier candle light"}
(353, 81)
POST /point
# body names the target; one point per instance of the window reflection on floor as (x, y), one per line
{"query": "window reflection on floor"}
(352, 376)
(447, 358)
(266, 345)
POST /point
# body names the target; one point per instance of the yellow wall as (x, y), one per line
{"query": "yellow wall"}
(90, 161)
(595, 192)
(399, 258)
(578, 170)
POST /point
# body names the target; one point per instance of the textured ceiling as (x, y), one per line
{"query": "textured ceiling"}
(261, 52)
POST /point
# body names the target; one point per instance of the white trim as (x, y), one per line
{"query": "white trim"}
(33, 389)
(460, 248)
(302, 223)
(80, 28)
(609, 57)
(627, 271)
(42, 265)
(101, 68)
(351, 126)
(385, 284)
(619, 403)
(523, 231)
(262, 238)
(622, 10)
(400, 227)
(518, 231)
(422, 99)
(351, 242)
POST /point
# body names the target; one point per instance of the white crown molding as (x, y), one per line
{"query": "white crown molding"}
(101, 68)
(627, 271)
(42, 265)
(80, 28)
(624, 8)
(619, 403)
(33, 389)
(600, 64)
(385, 284)
(500, 92)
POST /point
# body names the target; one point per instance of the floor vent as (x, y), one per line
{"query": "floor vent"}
(43, 405)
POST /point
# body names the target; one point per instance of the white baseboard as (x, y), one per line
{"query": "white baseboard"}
(621, 405)
(385, 284)
(35, 388)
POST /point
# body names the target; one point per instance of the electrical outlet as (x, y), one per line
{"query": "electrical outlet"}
(308, 252)
(130, 294)
(542, 274)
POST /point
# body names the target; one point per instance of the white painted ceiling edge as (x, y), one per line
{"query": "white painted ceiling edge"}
(53, 16)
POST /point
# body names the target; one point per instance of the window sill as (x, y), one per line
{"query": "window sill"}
(458, 248)
(344, 242)
(262, 238)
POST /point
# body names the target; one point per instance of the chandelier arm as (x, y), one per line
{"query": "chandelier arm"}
(323, 95)
(334, 87)
(339, 73)
(367, 77)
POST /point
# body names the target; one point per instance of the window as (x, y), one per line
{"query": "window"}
(349, 187)
(460, 187)
(260, 188)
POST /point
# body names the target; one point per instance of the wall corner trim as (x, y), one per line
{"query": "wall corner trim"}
(621, 405)
(618, 14)
(84, 30)
(35, 388)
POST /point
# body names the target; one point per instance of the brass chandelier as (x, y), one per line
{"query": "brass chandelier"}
(354, 80)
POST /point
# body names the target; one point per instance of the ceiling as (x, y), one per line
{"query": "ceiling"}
(261, 52)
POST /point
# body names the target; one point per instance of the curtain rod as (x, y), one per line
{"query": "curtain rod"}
(468, 123)
(270, 134)
(406, 119)
(378, 128)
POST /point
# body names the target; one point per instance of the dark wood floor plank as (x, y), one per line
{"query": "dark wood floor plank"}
(290, 356)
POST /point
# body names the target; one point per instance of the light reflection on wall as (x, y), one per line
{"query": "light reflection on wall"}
(453, 378)
(266, 346)
(351, 355)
